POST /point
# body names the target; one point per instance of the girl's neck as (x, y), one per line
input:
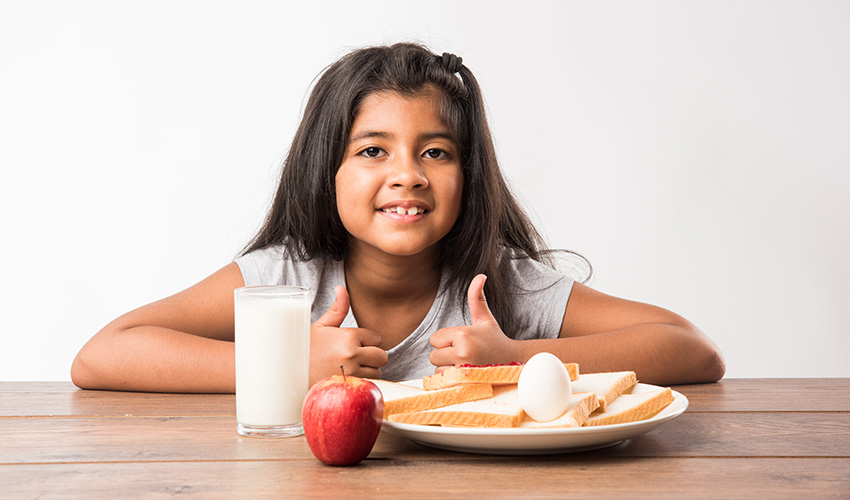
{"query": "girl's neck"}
(391, 278)
(390, 295)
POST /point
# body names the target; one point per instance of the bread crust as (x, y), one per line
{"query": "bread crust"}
(487, 396)
(606, 385)
(582, 404)
(491, 374)
(501, 410)
(632, 408)
(401, 398)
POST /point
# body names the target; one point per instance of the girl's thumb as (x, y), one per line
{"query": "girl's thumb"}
(337, 312)
(479, 311)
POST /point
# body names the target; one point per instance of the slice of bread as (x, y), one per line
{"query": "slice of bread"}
(502, 410)
(632, 407)
(403, 398)
(581, 406)
(607, 385)
(490, 374)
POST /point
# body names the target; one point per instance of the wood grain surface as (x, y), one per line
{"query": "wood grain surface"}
(478, 477)
(740, 438)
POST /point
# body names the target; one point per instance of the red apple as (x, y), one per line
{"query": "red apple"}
(342, 417)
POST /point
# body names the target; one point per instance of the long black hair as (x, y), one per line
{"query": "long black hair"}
(304, 214)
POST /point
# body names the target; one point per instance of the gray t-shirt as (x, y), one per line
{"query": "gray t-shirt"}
(539, 308)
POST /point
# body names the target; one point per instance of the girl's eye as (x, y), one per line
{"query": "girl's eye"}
(372, 152)
(437, 154)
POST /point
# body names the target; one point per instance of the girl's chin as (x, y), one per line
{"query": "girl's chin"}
(401, 249)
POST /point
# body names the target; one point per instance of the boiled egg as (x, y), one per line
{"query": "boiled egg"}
(544, 387)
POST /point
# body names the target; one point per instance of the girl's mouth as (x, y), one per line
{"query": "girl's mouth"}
(404, 211)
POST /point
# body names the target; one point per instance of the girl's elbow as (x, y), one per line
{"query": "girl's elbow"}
(714, 366)
(86, 371)
(706, 362)
(96, 362)
(80, 374)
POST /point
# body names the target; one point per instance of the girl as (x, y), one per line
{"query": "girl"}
(393, 210)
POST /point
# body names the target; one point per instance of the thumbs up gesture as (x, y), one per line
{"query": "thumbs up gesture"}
(357, 350)
(480, 343)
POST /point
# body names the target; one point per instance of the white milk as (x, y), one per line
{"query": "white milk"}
(272, 356)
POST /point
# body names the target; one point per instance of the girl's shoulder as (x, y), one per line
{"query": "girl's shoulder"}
(549, 267)
(537, 294)
(526, 273)
(273, 265)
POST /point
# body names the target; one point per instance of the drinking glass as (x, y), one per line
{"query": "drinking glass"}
(272, 359)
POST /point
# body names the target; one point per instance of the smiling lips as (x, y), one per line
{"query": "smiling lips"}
(404, 211)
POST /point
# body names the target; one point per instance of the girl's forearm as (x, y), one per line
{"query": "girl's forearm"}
(155, 359)
(660, 353)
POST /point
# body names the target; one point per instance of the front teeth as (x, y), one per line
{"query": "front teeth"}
(408, 211)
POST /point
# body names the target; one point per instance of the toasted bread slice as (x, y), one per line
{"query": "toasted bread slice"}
(607, 386)
(402, 398)
(501, 410)
(490, 374)
(581, 406)
(632, 407)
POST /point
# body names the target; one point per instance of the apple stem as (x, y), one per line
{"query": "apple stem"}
(344, 379)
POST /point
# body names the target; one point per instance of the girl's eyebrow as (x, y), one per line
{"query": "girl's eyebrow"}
(368, 134)
(438, 135)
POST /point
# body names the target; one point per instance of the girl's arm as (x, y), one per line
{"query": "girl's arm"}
(605, 333)
(599, 332)
(182, 343)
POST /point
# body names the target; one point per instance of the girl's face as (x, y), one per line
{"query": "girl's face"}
(399, 187)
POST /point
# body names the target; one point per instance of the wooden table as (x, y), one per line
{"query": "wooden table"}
(740, 438)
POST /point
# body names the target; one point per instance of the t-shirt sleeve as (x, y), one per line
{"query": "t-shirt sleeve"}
(540, 299)
(262, 267)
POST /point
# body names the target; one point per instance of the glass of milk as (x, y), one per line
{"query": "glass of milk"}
(272, 359)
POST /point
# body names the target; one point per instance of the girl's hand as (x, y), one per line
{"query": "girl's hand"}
(480, 343)
(357, 350)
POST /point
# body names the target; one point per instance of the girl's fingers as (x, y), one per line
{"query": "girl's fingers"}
(372, 357)
(442, 357)
(368, 338)
(442, 338)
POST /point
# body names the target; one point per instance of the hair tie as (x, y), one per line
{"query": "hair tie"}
(451, 62)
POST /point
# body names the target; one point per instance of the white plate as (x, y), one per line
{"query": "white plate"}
(536, 441)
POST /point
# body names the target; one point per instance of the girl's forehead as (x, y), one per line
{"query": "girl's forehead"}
(381, 106)
(391, 97)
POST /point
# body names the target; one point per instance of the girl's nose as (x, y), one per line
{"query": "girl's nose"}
(407, 172)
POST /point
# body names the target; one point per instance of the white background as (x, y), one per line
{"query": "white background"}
(696, 152)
